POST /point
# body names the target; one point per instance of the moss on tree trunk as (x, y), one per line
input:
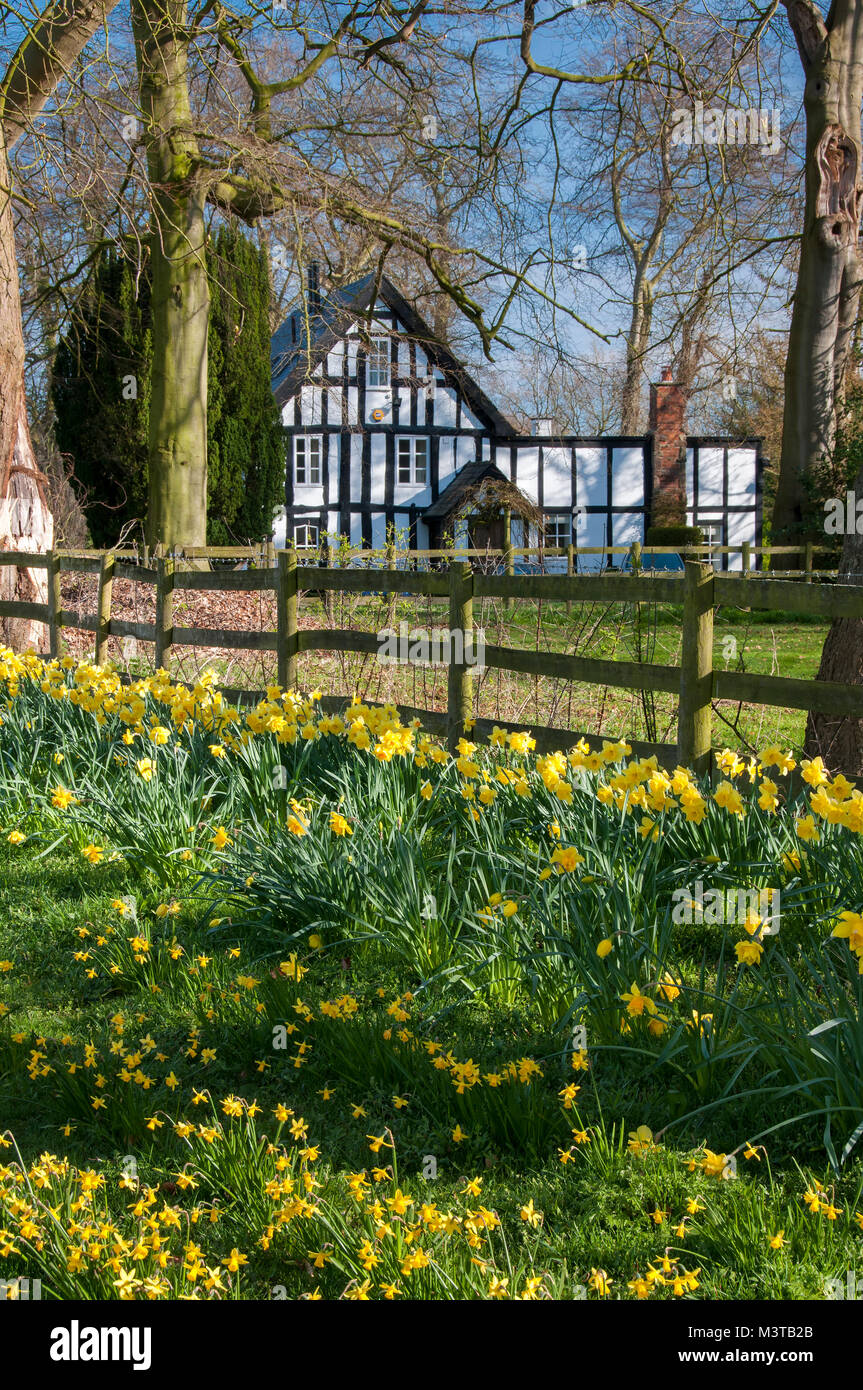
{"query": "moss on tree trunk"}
(180, 303)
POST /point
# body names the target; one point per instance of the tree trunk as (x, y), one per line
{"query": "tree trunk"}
(180, 301)
(637, 343)
(25, 521)
(50, 45)
(840, 741)
(823, 320)
(829, 278)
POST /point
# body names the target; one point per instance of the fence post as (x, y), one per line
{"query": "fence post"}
(391, 565)
(460, 683)
(54, 604)
(106, 585)
(570, 570)
(809, 554)
(635, 563)
(164, 610)
(508, 566)
(745, 564)
(287, 613)
(328, 595)
(696, 668)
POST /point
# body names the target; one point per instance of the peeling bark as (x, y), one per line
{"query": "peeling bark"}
(25, 521)
(26, 525)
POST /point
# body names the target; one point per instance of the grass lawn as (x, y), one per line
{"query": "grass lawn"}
(609, 1208)
(296, 1008)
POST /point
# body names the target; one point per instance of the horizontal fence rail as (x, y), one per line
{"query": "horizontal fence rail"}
(698, 591)
(335, 551)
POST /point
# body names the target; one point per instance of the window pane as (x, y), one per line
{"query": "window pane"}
(557, 532)
(404, 460)
(307, 456)
(420, 458)
(379, 362)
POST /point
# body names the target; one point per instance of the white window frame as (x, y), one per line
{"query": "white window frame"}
(312, 471)
(306, 543)
(563, 521)
(412, 440)
(711, 526)
(379, 363)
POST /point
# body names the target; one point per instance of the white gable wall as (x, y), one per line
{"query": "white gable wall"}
(445, 409)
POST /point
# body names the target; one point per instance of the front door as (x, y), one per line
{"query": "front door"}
(485, 535)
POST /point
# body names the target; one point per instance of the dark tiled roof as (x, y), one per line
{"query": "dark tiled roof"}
(305, 338)
(465, 479)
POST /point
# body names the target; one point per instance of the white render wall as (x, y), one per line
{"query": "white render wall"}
(724, 470)
(568, 480)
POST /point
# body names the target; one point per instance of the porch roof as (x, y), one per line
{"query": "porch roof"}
(467, 478)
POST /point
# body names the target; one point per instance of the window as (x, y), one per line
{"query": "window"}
(413, 460)
(557, 532)
(714, 536)
(378, 362)
(305, 535)
(307, 460)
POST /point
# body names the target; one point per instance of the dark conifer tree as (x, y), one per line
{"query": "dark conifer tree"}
(101, 396)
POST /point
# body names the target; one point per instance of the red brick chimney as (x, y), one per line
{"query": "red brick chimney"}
(668, 427)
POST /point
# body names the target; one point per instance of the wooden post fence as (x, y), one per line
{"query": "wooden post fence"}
(696, 668)
(103, 614)
(460, 682)
(54, 603)
(286, 619)
(508, 565)
(391, 565)
(570, 570)
(164, 610)
(329, 595)
(694, 682)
